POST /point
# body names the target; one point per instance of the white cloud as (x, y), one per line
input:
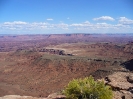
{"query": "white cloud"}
(58, 26)
(124, 25)
(77, 24)
(15, 23)
(101, 27)
(19, 25)
(84, 24)
(50, 19)
(12, 28)
(104, 18)
(87, 22)
(125, 21)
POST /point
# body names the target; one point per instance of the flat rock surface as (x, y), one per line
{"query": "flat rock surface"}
(121, 85)
(19, 97)
(51, 96)
(120, 80)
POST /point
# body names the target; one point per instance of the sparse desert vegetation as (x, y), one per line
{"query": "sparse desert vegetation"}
(87, 88)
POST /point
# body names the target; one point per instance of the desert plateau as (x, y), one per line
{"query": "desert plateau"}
(39, 65)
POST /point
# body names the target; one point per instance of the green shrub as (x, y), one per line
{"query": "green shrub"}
(87, 88)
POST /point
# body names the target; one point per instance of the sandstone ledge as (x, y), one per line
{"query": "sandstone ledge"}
(121, 83)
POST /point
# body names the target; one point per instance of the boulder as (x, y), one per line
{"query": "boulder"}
(56, 96)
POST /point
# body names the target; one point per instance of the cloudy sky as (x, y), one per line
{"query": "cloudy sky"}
(66, 16)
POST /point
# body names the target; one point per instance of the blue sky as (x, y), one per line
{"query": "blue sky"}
(66, 16)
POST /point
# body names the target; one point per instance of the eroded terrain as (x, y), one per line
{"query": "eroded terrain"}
(37, 65)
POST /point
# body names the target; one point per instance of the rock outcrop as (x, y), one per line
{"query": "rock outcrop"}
(19, 97)
(122, 84)
(51, 96)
